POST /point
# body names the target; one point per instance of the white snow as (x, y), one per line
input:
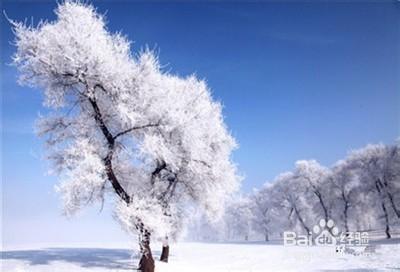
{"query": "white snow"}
(210, 257)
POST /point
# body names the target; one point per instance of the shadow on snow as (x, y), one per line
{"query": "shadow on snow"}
(85, 257)
(275, 242)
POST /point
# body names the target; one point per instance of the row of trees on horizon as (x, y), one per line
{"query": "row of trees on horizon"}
(359, 193)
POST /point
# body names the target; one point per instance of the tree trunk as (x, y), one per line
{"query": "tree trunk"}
(396, 210)
(385, 213)
(387, 229)
(288, 218)
(146, 263)
(266, 237)
(390, 196)
(165, 251)
(345, 212)
(301, 220)
(346, 224)
(322, 203)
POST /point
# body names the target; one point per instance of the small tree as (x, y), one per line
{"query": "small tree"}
(267, 211)
(238, 217)
(120, 124)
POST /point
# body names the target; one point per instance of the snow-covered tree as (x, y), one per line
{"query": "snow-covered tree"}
(119, 124)
(238, 218)
(315, 178)
(345, 189)
(391, 176)
(201, 229)
(267, 211)
(376, 169)
(292, 195)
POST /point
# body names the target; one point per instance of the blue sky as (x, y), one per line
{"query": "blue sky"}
(297, 80)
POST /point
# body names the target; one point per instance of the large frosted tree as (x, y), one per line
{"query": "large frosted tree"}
(119, 124)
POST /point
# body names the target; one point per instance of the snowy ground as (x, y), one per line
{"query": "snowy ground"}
(210, 257)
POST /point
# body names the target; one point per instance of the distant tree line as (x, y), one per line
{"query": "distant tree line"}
(359, 193)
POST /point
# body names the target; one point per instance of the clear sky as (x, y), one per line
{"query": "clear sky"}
(297, 81)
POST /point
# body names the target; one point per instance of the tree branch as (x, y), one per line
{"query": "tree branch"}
(99, 120)
(135, 128)
(108, 159)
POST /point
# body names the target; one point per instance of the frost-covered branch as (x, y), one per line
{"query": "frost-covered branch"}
(135, 128)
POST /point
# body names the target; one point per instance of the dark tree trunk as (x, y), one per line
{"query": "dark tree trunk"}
(395, 209)
(288, 218)
(146, 263)
(390, 196)
(387, 229)
(345, 212)
(164, 254)
(301, 220)
(322, 203)
(385, 213)
(108, 159)
(266, 237)
(346, 224)
(165, 251)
